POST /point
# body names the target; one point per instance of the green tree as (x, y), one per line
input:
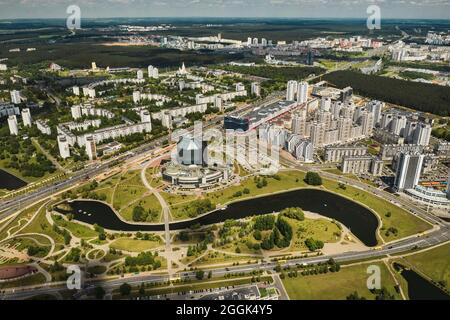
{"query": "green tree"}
(199, 274)
(125, 289)
(313, 179)
(99, 293)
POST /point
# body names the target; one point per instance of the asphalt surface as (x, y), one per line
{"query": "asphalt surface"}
(440, 234)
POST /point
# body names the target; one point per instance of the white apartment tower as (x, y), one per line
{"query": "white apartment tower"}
(398, 125)
(408, 171)
(76, 112)
(13, 125)
(76, 90)
(291, 90)
(140, 74)
(256, 89)
(64, 148)
(91, 149)
(166, 119)
(302, 92)
(145, 116)
(26, 117)
(325, 104)
(153, 72)
(410, 130)
(317, 134)
(367, 123)
(422, 134)
(218, 103)
(376, 108)
(15, 97)
(299, 123)
(344, 129)
(136, 96)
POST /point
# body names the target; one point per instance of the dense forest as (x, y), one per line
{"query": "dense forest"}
(419, 96)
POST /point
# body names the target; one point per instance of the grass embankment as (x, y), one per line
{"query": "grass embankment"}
(133, 245)
(197, 285)
(337, 286)
(391, 215)
(433, 263)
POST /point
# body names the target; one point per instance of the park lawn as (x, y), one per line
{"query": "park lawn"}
(404, 222)
(288, 180)
(156, 183)
(97, 269)
(174, 199)
(149, 202)
(214, 257)
(239, 170)
(34, 279)
(133, 178)
(27, 179)
(96, 254)
(13, 227)
(320, 229)
(109, 257)
(41, 225)
(125, 195)
(25, 214)
(78, 230)
(133, 245)
(108, 192)
(196, 285)
(434, 263)
(337, 286)
(110, 181)
(242, 245)
(23, 243)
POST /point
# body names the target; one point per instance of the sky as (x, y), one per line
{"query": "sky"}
(408, 9)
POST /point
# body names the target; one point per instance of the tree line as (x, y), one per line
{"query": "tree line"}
(419, 96)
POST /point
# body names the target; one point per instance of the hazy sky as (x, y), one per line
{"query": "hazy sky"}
(225, 8)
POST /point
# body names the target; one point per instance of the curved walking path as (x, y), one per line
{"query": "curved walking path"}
(166, 214)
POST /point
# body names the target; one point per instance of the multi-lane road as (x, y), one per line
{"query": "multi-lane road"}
(438, 235)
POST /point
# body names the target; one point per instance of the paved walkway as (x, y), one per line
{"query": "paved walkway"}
(166, 215)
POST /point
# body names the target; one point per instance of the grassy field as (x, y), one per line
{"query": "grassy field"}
(197, 285)
(214, 257)
(17, 222)
(405, 223)
(126, 195)
(434, 263)
(78, 230)
(320, 229)
(149, 202)
(34, 279)
(288, 180)
(133, 245)
(41, 225)
(337, 286)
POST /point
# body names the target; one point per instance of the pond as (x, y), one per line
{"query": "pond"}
(10, 182)
(360, 220)
(420, 288)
